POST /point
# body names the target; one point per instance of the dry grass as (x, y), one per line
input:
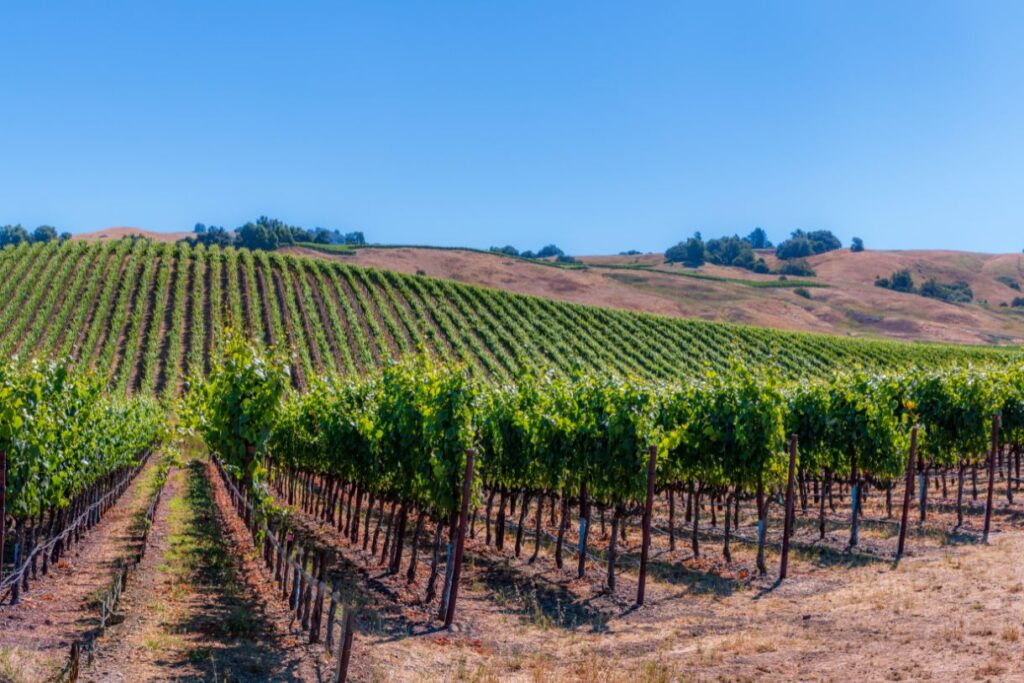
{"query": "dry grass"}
(21, 665)
(851, 304)
(873, 621)
(118, 233)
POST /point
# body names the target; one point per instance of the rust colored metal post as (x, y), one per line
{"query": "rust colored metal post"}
(908, 493)
(991, 476)
(645, 548)
(460, 543)
(788, 525)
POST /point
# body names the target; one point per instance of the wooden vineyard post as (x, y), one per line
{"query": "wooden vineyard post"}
(3, 508)
(460, 543)
(991, 476)
(345, 643)
(75, 662)
(645, 546)
(318, 600)
(581, 551)
(788, 525)
(908, 492)
(250, 455)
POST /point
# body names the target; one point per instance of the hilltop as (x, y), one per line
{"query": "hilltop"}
(119, 232)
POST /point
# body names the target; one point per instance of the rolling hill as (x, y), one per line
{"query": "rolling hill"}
(845, 302)
(146, 314)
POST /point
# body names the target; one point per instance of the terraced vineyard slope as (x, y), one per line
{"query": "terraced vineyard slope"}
(147, 314)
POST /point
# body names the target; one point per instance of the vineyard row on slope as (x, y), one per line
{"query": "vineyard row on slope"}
(146, 314)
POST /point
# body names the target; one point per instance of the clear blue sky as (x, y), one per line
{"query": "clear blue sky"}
(601, 127)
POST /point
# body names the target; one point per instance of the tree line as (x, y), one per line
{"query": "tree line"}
(13, 235)
(740, 252)
(268, 234)
(903, 281)
(547, 251)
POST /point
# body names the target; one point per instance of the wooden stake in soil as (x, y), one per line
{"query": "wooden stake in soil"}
(671, 520)
(762, 526)
(854, 500)
(645, 545)
(537, 528)
(788, 526)
(612, 546)
(318, 601)
(581, 552)
(75, 662)
(563, 526)
(991, 476)
(250, 456)
(908, 492)
(460, 544)
(3, 509)
(346, 645)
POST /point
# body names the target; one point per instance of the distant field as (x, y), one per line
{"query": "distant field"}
(146, 314)
(843, 301)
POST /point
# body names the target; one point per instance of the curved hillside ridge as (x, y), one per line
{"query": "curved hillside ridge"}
(146, 314)
(117, 233)
(845, 303)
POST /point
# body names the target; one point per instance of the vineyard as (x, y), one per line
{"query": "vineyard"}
(383, 458)
(144, 316)
(431, 444)
(405, 436)
(67, 452)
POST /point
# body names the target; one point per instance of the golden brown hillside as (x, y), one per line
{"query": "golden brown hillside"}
(849, 305)
(119, 232)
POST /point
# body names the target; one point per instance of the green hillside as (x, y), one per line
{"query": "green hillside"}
(146, 314)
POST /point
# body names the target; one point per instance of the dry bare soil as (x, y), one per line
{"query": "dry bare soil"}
(951, 609)
(200, 607)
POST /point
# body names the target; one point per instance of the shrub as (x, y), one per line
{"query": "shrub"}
(798, 267)
(956, 292)
(1009, 282)
(690, 253)
(802, 291)
(857, 245)
(900, 281)
(550, 250)
(802, 244)
(44, 233)
(730, 251)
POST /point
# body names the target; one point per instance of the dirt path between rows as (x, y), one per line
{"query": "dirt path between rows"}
(36, 635)
(191, 612)
(952, 609)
